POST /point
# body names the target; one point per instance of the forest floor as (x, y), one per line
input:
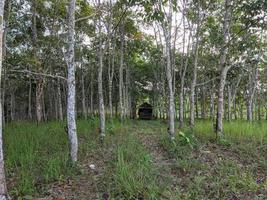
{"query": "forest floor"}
(137, 161)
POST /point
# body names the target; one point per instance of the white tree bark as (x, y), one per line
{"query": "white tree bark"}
(100, 84)
(194, 80)
(251, 94)
(39, 80)
(3, 189)
(71, 118)
(223, 68)
(169, 72)
(121, 102)
(110, 80)
(91, 93)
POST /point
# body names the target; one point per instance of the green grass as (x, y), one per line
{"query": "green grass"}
(235, 130)
(133, 174)
(36, 156)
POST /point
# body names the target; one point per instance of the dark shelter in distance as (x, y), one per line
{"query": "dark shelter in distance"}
(145, 111)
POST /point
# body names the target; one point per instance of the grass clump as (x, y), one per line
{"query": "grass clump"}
(133, 175)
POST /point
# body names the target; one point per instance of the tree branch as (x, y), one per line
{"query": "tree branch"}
(37, 74)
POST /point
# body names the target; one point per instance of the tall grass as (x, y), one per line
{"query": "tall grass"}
(132, 174)
(235, 130)
(39, 154)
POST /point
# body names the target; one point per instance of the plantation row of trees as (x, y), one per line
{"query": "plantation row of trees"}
(189, 58)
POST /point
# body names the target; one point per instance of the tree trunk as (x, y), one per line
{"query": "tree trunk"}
(92, 93)
(203, 103)
(229, 112)
(220, 104)
(169, 75)
(4, 50)
(3, 188)
(30, 101)
(196, 105)
(212, 107)
(39, 79)
(223, 68)
(83, 98)
(193, 84)
(259, 111)
(121, 76)
(182, 77)
(110, 79)
(38, 100)
(100, 86)
(44, 107)
(71, 114)
(59, 101)
(12, 106)
(251, 93)
(250, 110)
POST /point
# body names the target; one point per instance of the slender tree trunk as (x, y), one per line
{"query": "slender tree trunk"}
(203, 103)
(71, 114)
(3, 188)
(110, 79)
(127, 97)
(12, 106)
(30, 101)
(83, 98)
(196, 105)
(52, 93)
(234, 107)
(220, 104)
(91, 94)
(38, 99)
(223, 68)
(121, 76)
(59, 101)
(251, 94)
(169, 75)
(44, 108)
(250, 110)
(212, 106)
(241, 111)
(100, 86)
(4, 49)
(229, 112)
(259, 111)
(193, 84)
(39, 79)
(56, 100)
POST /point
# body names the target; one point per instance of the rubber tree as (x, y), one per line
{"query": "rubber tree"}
(71, 117)
(169, 72)
(3, 188)
(223, 67)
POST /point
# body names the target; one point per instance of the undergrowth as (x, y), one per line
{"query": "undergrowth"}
(235, 167)
(132, 174)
